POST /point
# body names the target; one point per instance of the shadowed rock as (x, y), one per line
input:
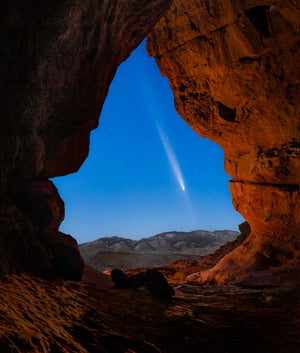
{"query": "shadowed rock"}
(120, 279)
(153, 280)
(57, 60)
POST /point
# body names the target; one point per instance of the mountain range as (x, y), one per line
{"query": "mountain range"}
(158, 250)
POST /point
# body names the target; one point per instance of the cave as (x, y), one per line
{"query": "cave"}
(233, 67)
(234, 72)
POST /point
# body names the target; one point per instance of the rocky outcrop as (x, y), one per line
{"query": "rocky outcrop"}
(30, 240)
(57, 61)
(234, 69)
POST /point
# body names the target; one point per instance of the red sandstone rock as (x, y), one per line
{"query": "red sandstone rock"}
(58, 59)
(233, 66)
(96, 278)
(234, 69)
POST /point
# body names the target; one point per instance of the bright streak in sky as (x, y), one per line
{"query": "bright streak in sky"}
(126, 186)
(172, 158)
(152, 103)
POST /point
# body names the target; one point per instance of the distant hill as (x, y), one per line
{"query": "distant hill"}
(107, 260)
(158, 250)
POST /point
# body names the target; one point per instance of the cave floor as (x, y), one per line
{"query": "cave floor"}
(42, 316)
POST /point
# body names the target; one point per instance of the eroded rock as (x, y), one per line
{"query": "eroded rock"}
(233, 66)
(234, 69)
(58, 59)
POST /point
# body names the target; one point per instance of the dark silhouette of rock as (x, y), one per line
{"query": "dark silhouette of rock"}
(120, 279)
(57, 60)
(156, 283)
(153, 280)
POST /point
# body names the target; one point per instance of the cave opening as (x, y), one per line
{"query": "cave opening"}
(147, 172)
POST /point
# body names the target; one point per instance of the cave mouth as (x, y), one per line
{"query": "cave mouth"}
(147, 172)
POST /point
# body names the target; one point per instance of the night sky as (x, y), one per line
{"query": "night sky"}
(147, 172)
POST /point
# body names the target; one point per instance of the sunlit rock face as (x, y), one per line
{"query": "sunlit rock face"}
(57, 61)
(234, 67)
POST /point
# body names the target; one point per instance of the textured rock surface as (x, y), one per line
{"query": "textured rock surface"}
(57, 61)
(42, 316)
(234, 69)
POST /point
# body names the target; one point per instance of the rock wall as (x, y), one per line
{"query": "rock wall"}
(56, 64)
(234, 69)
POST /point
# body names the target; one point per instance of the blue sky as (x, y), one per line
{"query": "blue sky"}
(147, 172)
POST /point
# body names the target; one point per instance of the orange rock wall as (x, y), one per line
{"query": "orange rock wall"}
(234, 69)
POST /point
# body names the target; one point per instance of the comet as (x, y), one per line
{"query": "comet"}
(154, 111)
(172, 158)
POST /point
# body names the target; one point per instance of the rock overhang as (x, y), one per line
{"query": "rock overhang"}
(234, 69)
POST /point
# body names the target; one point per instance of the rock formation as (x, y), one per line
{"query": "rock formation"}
(233, 66)
(234, 69)
(153, 280)
(57, 61)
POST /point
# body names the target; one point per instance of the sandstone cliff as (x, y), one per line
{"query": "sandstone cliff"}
(234, 69)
